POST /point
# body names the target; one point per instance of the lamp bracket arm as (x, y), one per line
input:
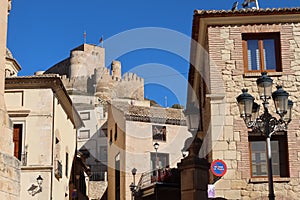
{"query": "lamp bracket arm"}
(250, 124)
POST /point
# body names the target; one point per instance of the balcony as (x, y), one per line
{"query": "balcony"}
(163, 183)
(98, 176)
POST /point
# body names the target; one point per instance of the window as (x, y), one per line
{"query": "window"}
(116, 131)
(67, 164)
(103, 153)
(117, 178)
(85, 115)
(159, 132)
(110, 137)
(161, 162)
(258, 159)
(84, 134)
(17, 138)
(261, 52)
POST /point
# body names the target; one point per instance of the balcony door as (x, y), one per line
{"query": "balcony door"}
(17, 139)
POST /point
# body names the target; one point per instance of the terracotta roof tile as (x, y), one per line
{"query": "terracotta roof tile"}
(266, 11)
(150, 112)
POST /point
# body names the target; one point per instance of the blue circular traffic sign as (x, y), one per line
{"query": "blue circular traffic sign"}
(218, 167)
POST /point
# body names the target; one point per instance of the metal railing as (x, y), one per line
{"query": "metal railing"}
(164, 175)
(98, 176)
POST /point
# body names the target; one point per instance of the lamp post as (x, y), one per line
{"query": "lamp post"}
(156, 145)
(132, 186)
(266, 124)
(133, 172)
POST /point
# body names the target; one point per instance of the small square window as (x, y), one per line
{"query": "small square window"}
(85, 116)
(159, 160)
(259, 156)
(84, 134)
(159, 132)
(261, 52)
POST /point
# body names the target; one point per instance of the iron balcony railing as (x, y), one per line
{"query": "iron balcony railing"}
(98, 176)
(164, 175)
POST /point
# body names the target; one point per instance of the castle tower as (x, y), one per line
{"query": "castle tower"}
(116, 69)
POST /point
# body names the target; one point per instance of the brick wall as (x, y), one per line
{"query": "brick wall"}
(230, 139)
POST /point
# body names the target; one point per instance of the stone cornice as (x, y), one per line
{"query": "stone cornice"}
(47, 82)
(16, 64)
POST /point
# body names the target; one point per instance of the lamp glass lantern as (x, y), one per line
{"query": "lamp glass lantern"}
(245, 104)
(39, 180)
(133, 171)
(280, 98)
(264, 84)
(288, 116)
(192, 114)
(255, 111)
(156, 145)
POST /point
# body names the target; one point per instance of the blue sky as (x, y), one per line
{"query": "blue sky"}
(42, 33)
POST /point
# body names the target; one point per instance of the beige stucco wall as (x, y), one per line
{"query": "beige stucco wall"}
(64, 129)
(135, 144)
(115, 148)
(44, 120)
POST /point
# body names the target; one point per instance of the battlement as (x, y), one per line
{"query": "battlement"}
(84, 72)
(132, 77)
(88, 48)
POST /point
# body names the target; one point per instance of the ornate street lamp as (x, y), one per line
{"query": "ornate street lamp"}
(266, 124)
(264, 84)
(133, 172)
(132, 186)
(245, 103)
(192, 114)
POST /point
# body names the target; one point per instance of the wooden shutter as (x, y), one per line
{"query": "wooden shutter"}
(17, 139)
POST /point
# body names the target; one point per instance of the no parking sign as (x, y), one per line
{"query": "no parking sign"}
(218, 167)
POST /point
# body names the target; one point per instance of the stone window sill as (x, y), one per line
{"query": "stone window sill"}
(265, 179)
(258, 74)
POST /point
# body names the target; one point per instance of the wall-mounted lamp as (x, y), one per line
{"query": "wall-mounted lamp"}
(184, 153)
(34, 189)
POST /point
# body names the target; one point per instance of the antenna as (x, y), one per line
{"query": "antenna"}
(234, 6)
(84, 37)
(166, 101)
(247, 2)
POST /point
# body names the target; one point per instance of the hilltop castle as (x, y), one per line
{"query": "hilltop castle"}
(85, 73)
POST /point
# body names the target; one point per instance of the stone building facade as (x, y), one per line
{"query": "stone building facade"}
(9, 165)
(221, 66)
